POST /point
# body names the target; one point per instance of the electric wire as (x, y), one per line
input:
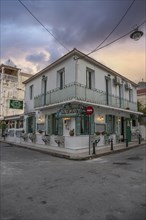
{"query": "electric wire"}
(113, 28)
(43, 25)
(119, 38)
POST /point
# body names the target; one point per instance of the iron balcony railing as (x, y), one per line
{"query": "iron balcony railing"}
(78, 91)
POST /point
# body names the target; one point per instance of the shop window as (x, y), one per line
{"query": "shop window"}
(110, 120)
(82, 125)
(57, 125)
(19, 124)
(41, 127)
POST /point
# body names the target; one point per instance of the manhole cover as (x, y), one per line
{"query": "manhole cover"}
(121, 163)
(134, 158)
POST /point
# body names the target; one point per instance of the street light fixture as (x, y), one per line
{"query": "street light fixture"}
(136, 34)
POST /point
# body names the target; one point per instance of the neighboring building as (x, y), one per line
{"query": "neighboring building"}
(141, 93)
(141, 96)
(57, 97)
(12, 92)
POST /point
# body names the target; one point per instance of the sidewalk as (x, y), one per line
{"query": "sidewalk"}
(82, 154)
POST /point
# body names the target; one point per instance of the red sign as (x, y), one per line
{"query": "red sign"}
(89, 110)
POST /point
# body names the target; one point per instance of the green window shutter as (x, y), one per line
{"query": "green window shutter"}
(49, 124)
(92, 124)
(26, 125)
(78, 126)
(34, 124)
(60, 126)
(29, 124)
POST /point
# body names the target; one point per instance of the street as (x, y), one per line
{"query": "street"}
(36, 186)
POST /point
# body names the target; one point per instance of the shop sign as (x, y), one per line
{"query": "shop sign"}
(70, 111)
(16, 104)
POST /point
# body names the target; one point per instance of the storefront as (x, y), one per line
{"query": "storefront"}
(71, 126)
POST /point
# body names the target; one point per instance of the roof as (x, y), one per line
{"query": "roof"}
(141, 91)
(79, 55)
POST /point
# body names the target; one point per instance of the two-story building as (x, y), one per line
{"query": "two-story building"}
(56, 99)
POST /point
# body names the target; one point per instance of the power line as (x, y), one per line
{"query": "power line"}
(42, 25)
(114, 28)
(119, 37)
(86, 55)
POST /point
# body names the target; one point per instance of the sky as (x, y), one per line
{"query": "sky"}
(81, 24)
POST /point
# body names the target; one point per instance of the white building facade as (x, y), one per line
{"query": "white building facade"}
(57, 97)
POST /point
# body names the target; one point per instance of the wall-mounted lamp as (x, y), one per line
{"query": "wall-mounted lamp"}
(100, 118)
(119, 119)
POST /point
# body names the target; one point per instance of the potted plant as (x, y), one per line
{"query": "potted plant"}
(71, 132)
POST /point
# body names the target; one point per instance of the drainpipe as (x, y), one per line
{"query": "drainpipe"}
(76, 71)
(1, 93)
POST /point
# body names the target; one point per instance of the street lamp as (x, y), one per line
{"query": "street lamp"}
(136, 34)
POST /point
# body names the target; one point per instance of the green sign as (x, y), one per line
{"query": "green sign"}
(16, 104)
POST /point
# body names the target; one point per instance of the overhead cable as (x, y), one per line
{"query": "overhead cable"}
(43, 25)
(119, 38)
(113, 28)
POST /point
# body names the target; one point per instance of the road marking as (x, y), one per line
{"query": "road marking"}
(99, 160)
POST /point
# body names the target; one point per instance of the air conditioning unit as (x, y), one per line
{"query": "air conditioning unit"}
(117, 80)
(128, 86)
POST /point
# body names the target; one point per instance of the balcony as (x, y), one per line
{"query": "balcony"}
(8, 78)
(80, 92)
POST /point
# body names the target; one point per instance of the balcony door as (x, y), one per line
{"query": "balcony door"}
(44, 89)
(90, 78)
(108, 90)
(61, 78)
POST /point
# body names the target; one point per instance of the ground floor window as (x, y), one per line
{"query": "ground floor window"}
(110, 121)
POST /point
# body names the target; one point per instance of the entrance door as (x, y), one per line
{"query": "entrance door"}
(128, 130)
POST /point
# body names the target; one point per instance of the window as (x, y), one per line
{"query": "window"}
(61, 78)
(90, 78)
(31, 92)
(131, 95)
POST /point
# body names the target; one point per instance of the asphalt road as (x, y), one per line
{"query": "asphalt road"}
(36, 186)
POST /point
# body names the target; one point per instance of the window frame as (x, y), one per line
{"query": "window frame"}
(31, 91)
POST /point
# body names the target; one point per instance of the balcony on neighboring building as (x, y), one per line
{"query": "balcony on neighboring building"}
(79, 92)
(8, 78)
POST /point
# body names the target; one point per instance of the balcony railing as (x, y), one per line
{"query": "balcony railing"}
(81, 92)
(8, 78)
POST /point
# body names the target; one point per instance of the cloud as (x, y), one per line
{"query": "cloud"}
(36, 58)
(80, 24)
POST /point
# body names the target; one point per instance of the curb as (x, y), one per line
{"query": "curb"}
(72, 157)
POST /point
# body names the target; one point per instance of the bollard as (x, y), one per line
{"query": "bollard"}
(94, 148)
(111, 144)
(139, 139)
(126, 142)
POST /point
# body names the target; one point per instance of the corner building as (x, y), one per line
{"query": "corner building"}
(56, 99)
